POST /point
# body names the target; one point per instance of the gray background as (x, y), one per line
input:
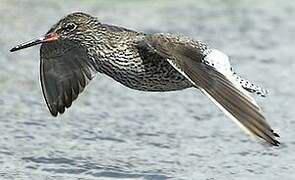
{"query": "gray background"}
(113, 132)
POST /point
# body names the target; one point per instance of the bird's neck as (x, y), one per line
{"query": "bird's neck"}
(104, 51)
(109, 48)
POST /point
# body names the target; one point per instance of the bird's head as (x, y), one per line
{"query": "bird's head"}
(77, 26)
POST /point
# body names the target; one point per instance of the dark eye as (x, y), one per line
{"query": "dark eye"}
(70, 26)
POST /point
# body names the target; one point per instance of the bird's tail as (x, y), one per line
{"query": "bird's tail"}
(249, 86)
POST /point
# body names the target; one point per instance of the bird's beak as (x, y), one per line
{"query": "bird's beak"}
(43, 39)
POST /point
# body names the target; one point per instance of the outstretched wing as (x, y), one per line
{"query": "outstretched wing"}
(65, 70)
(187, 56)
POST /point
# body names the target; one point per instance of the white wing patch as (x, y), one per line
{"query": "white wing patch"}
(221, 63)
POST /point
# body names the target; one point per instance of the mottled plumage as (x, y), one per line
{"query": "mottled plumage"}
(79, 46)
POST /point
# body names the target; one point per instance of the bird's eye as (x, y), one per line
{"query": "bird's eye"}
(70, 26)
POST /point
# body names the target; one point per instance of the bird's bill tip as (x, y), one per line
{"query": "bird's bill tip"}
(43, 39)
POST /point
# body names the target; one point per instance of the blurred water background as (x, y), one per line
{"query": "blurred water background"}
(113, 132)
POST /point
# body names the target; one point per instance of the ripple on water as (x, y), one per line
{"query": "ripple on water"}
(46, 160)
(70, 167)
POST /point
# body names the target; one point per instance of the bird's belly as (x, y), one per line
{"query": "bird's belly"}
(156, 82)
(157, 77)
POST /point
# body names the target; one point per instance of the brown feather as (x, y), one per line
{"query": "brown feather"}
(187, 58)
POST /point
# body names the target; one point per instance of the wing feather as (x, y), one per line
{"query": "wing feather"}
(186, 56)
(65, 70)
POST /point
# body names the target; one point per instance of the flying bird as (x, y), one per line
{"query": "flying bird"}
(79, 45)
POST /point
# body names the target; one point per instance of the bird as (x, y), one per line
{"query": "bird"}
(79, 46)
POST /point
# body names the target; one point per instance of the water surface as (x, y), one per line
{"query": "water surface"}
(113, 132)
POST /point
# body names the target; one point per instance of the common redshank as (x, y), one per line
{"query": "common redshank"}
(79, 46)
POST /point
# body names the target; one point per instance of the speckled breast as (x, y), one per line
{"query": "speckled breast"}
(143, 71)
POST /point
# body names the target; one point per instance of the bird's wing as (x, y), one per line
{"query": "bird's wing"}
(187, 56)
(65, 70)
